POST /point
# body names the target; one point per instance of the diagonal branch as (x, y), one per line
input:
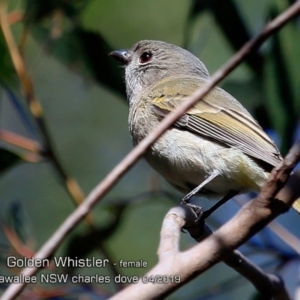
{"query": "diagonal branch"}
(179, 268)
(20, 141)
(114, 176)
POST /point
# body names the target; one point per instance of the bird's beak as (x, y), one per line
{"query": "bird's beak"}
(122, 56)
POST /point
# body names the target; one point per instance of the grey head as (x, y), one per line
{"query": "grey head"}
(147, 62)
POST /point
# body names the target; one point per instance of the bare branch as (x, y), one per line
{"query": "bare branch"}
(114, 176)
(255, 215)
(16, 243)
(20, 141)
(267, 284)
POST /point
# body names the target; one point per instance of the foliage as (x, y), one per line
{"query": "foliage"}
(7, 159)
(65, 45)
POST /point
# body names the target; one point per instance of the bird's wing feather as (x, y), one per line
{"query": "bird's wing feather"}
(218, 117)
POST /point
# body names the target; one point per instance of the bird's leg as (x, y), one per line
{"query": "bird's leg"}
(227, 197)
(203, 215)
(187, 197)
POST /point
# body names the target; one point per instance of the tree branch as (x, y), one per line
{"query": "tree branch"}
(114, 176)
(254, 216)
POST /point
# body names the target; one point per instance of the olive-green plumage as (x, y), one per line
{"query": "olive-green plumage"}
(217, 138)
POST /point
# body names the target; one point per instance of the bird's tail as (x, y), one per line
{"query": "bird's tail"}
(296, 205)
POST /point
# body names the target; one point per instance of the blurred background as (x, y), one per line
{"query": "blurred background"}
(82, 133)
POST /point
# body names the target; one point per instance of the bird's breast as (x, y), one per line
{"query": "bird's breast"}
(185, 159)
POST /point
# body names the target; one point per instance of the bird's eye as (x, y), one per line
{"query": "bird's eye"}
(145, 57)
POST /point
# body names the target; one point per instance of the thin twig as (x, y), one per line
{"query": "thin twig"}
(284, 234)
(35, 108)
(16, 242)
(114, 176)
(267, 284)
(20, 141)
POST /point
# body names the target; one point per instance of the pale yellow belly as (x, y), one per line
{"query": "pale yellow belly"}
(186, 161)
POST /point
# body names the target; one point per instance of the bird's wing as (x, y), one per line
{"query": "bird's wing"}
(218, 117)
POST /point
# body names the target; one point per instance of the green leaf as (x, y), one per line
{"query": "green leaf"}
(232, 24)
(81, 245)
(84, 51)
(21, 111)
(7, 71)
(95, 51)
(198, 7)
(8, 159)
(19, 221)
(282, 87)
(285, 94)
(35, 10)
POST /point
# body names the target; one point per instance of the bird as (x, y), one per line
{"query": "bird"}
(216, 150)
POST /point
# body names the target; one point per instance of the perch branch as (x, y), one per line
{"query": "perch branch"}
(252, 217)
(132, 157)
